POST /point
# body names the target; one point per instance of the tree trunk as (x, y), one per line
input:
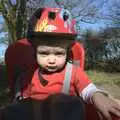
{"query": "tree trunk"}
(15, 18)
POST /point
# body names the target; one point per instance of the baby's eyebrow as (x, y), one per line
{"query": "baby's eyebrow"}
(60, 49)
(53, 50)
(42, 50)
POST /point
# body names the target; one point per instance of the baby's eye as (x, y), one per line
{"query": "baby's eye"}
(60, 53)
(43, 53)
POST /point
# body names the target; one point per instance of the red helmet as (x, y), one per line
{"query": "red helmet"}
(52, 22)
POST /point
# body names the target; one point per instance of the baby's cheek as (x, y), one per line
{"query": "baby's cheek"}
(62, 62)
(41, 61)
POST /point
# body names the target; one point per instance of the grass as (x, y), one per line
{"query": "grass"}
(109, 82)
(99, 77)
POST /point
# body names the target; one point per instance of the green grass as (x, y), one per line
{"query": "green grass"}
(100, 78)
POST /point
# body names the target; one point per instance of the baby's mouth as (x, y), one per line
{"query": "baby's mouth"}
(51, 67)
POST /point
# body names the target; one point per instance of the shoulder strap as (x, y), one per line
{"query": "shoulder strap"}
(76, 62)
(67, 78)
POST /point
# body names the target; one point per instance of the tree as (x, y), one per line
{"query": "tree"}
(14, 14)
(112, 42)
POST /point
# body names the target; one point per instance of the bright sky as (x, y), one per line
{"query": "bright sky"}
(2, 50)
(2, 46)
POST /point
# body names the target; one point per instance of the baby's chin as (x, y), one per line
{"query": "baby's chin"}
(52, 70)
(48, 70)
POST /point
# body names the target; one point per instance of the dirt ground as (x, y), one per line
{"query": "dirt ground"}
(113, 90)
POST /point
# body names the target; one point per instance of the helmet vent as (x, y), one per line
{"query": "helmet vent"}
(52, 15)
(65, 16)
(38, 13)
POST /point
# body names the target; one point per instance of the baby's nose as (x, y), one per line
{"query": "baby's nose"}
(51, 59)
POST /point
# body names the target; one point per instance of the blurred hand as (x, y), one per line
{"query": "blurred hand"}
(106, 106)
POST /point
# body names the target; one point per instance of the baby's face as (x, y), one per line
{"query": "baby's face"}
(51, 58)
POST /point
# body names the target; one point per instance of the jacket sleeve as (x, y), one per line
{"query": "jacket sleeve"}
(85, 86)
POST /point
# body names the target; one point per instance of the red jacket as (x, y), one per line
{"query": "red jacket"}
(32, 87)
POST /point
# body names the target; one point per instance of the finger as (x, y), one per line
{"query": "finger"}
(117, 107)
(116, 103)
(107, 115)
(115, 112)
(116, 100)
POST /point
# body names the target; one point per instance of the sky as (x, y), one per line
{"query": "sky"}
(2, 50)
(2, 46)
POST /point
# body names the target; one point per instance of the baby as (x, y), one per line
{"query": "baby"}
(51, 33)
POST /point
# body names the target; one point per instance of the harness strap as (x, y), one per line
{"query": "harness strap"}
(67, 78)
(76, 62)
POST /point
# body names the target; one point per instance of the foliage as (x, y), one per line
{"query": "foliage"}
(103, 49)
(93, 48)
(111, 43)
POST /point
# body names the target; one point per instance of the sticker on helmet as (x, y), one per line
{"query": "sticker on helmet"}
(41, 26)
(50, 28)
